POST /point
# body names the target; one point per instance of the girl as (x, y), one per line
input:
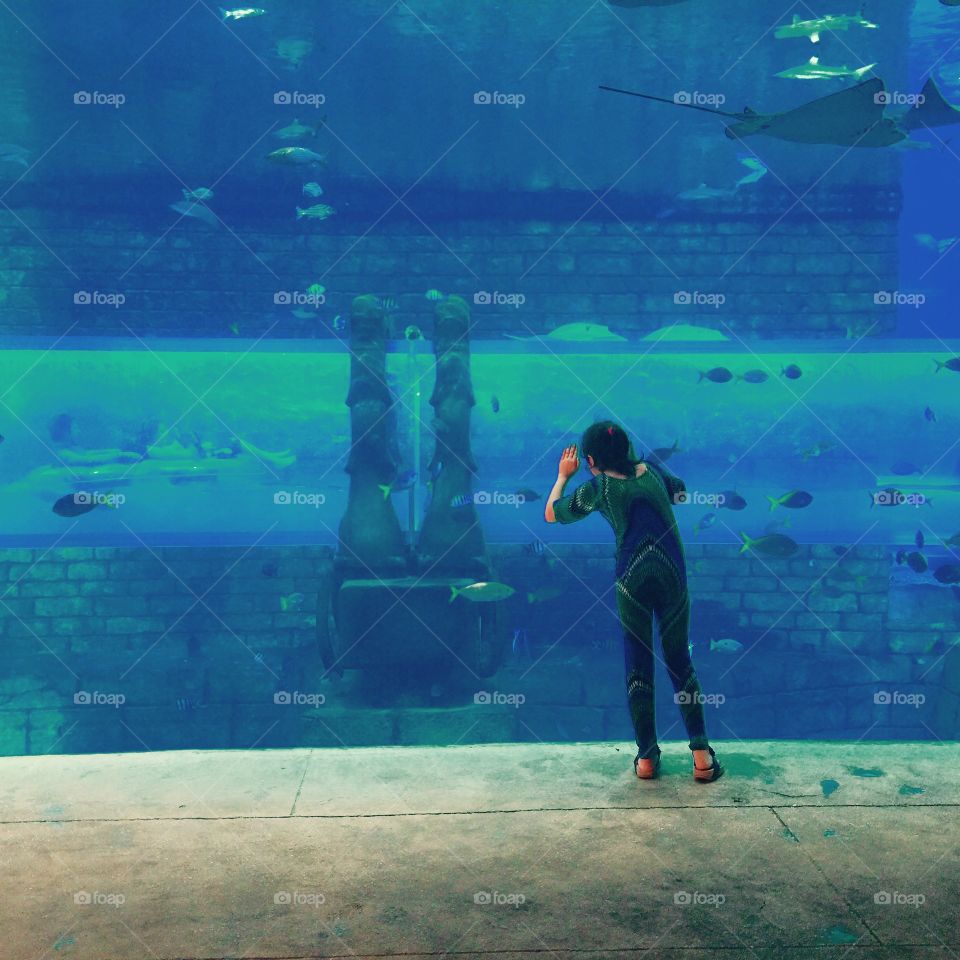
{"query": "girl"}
(636, 500)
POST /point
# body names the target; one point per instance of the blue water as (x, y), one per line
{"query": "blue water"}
(469, 152)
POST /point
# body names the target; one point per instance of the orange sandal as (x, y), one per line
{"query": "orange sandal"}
(653, 773)
(708, 774)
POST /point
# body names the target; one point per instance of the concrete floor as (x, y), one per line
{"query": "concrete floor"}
(515, 851)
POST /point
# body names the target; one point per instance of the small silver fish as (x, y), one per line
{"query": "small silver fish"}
(201, 193)
(726, 645)
(241, 13)
(312, 189)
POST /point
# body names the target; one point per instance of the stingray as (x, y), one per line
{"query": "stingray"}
(851, 118)
(932, 110)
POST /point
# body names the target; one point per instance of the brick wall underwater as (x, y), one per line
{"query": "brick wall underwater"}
(109, 649)
(790, 277)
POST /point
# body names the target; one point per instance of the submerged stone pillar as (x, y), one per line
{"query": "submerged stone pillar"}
(451, 534)
(370, 534)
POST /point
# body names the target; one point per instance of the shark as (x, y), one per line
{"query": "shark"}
(819, 25)
(814, 70)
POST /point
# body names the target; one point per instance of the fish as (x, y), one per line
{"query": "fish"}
(774, 525)
(388, 304)
(663, 454)
(919, 540)
(312, 189)
(754, 376)
(11, 153)
(412, 332)
(929, 416)
(544, 594)
(242, 13)
(953, 541)
(818, 449)
(316, 289)
(201, 193)
(297, 130)
(686, 333)
(234, 328)
(338, 323)
(716, 375)
(814, 70)
(917, 562)
(535, 549)
(726, 645)
(292, 601)
(462, 500)
(952, 364)
(814, 28)
(269, 569)
(482, 592)
(319, 211)
(771, 545)
(947, 573)
(577, 333)
(293, 50)
(190, 208)
(434, 296)
(703, 192)
(69, 506)
(904, 468)
(297, 156)
(791, 372)
(829, 786)
(403, 482)
(706, 521)
(732, 500)
(795, 500)
(932, 243)
(495, 404)
(758, 170)
(529, 496)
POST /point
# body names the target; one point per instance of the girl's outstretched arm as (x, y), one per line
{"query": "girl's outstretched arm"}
(569, 465)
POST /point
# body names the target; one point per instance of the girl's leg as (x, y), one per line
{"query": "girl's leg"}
(637, 621)
(673, 617)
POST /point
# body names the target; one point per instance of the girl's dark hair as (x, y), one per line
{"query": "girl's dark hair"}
(610, 447)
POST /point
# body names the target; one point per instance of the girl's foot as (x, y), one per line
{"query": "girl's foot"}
(706, 767)
(647, 769)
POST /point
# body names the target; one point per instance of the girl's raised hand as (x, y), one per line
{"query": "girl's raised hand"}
(569, 462)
